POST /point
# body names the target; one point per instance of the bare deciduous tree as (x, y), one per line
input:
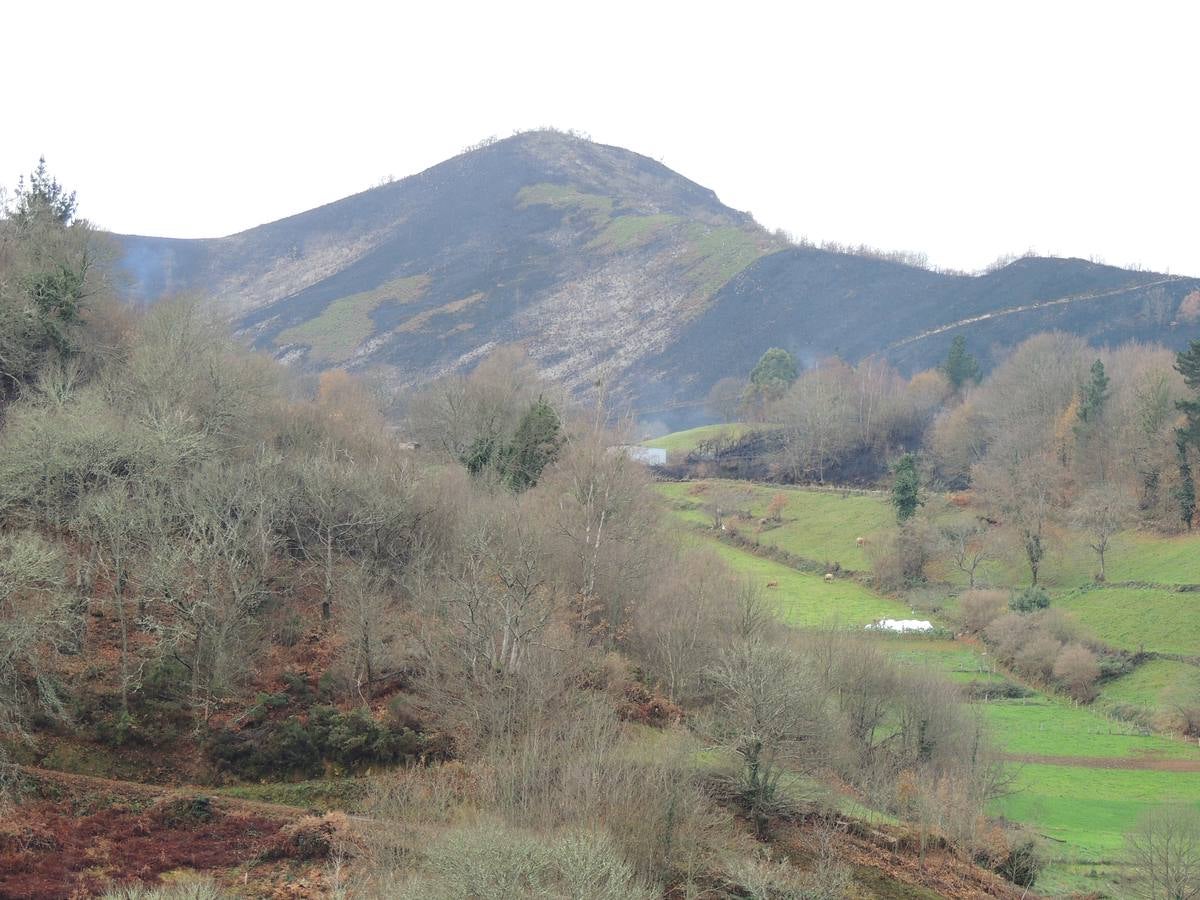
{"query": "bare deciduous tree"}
(1103, 511)
(1164, 851)
(34, 615)
(968, 542)
(771, 716)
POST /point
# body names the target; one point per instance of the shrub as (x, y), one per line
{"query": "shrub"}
(997, 690)
(977, 609)
(176, 812)
(1031, 599)
(313, 837)
(762, 878)
(1037, 658)
(507, 864)
(298, 747)
(1009, 633)
(1077, 670)
(1022, 863)
(199, 887)
(899, 559)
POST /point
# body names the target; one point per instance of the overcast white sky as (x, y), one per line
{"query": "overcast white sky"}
(964, 130)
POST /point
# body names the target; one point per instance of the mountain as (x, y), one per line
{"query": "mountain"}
(606, 264)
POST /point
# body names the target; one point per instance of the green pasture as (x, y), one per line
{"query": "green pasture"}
(1156, 684)
(1048, 726)
(686, 441)
(1090, 809)
(1083, 814)
(1158, 620)
(823, 526)
(808, 600)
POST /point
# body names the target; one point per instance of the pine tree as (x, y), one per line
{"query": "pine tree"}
(1094, 394)
(534, 446)
(1186, 492)
(960, 366)
(43, 197)
(906, 488)
(1187, 363)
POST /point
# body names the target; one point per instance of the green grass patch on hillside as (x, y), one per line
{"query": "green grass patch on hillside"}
(960, 662)
(568, 197)
(819, 525)
(1159, 684)
(630, 231)
(1132, 556)
(716, 254)
(808, 600)
(1154, 558)
(1047, 726)
(346, 322)
(689, 440)
(1088, 808)
(1134, 619)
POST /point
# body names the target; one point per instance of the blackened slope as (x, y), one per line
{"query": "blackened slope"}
(590, 255)
(818, 304)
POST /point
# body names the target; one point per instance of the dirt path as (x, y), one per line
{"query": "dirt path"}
(141, 791)
(1029, 307)
(1143, 763)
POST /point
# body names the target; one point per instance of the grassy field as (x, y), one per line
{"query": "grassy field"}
(715, 255)
(1154, 685)
(1090, 808)
(686, 441)
(819, 525)
(1048, 726)
(807, 600)
(627, 232)
(1139, 619)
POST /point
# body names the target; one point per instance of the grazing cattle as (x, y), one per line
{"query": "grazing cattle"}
(828, 577)
(772, 584)
(860, 541)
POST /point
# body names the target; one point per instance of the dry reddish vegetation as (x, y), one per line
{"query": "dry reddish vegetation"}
(941, 870)
(46, 852)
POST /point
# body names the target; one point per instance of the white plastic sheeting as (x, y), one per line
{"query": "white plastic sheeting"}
(901, 625)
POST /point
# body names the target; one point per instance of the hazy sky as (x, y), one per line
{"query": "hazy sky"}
(964, 130)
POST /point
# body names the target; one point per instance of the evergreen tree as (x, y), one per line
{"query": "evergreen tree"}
(46, 279)
(1094, 394)
(776, 369)
(534, 446)
(906, 488)
(43, 197)
(1187, 363)
(960, 366)
(1186, 492)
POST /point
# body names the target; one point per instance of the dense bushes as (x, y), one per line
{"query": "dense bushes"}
(1042, 644)
(303, 746)
(489, 860)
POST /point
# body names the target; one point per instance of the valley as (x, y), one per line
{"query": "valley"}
(1081, 774)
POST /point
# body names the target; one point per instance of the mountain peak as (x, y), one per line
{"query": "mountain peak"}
(605, 263)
